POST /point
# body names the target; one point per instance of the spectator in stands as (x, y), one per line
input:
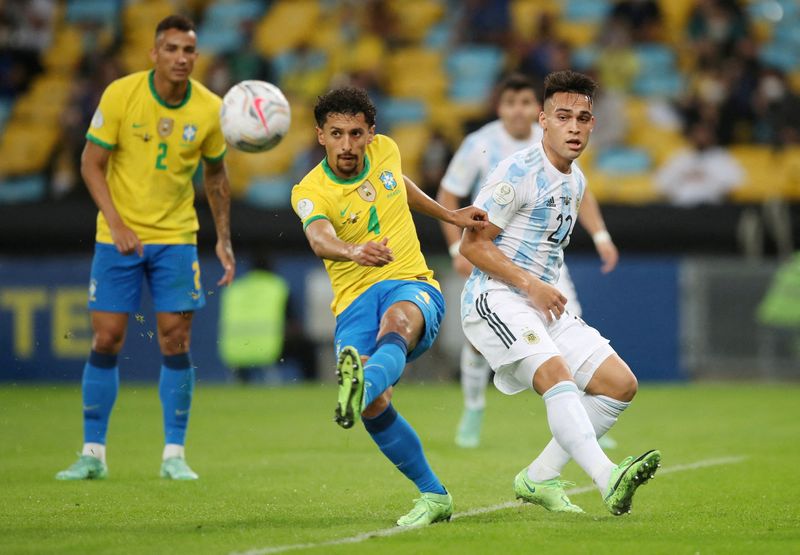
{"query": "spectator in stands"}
(778, 110)
(486, 21)
(715, 27)
(702, 174)
(545, 54)
(642, 18)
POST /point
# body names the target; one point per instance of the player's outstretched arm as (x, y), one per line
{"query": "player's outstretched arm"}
(218, 193)
(470, 217)
(325, 244)
(94, 161)
(478, 247)
(452, 234)
(592, 221)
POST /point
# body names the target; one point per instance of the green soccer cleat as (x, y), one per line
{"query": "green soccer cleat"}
(429, 508)
(86, 467)
(350, 374)
(549, 494)
(626, 477)
(175, 468)
(468, 435)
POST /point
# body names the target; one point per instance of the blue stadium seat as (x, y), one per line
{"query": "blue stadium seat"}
(393, 111)
(95, 11)
(778, 55)
(475, 61)
(28, 188)
(5, 111)
(655, 58)
(623, 160)
(274, 191)
(586, 10)
(584, 58)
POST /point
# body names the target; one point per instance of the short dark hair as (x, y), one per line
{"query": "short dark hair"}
(515, 82)
(175, 21)
(569, 81)
(349, 101)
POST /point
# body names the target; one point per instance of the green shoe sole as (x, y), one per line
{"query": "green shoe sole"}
(350, 376)
(636, 474)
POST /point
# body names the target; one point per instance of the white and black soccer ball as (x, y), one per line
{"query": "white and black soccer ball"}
(255, 116)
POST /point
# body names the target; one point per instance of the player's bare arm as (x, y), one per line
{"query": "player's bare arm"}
(94, 161)
(478, 247)
(218, 193)
(452, 234)
(325, 244)
(592, 221)
(470, 217)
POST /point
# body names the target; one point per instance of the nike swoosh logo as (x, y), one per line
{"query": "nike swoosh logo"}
(258, 102)
(343, 212)
(91, 407)
(138, 125)
(179, 412)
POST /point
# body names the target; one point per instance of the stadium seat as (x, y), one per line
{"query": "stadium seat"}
(525, 16)
(94, 11)
(415, 17)
(586, 10)
(623, 161)
(577, 33)
(28, 188)
(273, 191)
(762, 181)
(412, 139)
(286, 25)
(395, 111)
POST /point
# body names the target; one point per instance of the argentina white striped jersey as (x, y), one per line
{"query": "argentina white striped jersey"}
(536, 207)
(479, 153)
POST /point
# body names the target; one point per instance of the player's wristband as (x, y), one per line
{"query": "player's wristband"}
(453, 249)
(601, 237)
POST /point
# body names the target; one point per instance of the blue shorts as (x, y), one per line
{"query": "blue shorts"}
(172, 273)
(358, 325)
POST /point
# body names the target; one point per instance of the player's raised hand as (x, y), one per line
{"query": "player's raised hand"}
(126, 240)
(225, 254)
(470, 217)
(372, 253)
(547, 299)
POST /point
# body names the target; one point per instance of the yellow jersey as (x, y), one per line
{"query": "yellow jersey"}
(369, 207)
(156, 148)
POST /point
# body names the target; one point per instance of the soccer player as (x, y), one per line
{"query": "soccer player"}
(516, 128)
(144, 144)
(521, 323)
(354, 207)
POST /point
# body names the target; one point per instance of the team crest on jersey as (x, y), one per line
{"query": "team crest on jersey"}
(503, 193)
(189, 132)
(530, 337)
(367, 191)
(388, 180)
(165, 126)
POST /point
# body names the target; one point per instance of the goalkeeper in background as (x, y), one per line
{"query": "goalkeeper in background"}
(144, 144)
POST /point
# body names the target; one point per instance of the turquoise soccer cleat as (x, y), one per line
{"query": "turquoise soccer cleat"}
(627, 477)
(350, 374)
(175, 468)
(549, 494)
(86, 467)
(429, 508)
(468, 435)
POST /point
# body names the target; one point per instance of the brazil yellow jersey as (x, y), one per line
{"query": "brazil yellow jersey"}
(156, 148)
(368, 207)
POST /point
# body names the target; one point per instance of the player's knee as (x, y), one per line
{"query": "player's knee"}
(108, 340)
(549, 373)
(627, 386)
(379, 405)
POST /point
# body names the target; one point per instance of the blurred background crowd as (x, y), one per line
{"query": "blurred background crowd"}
(695, 158)
(678, 78)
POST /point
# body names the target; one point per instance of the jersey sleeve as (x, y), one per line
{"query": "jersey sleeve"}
(214, 146)
(501, 196)
(309, 205)
(104, 128)
(463, 170)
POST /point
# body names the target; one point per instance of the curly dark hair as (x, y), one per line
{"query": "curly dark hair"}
(349, 101)
(569, 81)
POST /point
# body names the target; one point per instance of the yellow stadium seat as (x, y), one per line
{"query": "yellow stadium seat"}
(286, 25)
(415, 17)
(791, 173)
(577, 33)
(26, 148)
(675, 14)
(525, 16)
(411, 139)
(65, 52)
(145, 14)
(765, 173)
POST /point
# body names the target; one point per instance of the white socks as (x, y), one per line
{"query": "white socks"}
(173, 450)
(96, 450)
(474, 378)
(603, 412)
(572, 429)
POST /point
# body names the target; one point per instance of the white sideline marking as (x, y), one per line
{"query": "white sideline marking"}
(358, 538)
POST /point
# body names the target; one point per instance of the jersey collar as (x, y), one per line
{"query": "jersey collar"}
(151, 81)
(336, 179)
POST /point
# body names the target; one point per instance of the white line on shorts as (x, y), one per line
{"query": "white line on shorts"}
(358, 538)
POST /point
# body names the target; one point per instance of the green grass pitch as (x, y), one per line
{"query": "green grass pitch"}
(276, 472)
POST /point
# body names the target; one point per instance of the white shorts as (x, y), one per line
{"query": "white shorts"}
(506, 329)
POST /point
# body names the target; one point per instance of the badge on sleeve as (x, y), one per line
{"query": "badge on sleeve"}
(304, 208)
(503, 193)
(97, 119)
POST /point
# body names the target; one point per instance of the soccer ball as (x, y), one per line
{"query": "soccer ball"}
(255, 116)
